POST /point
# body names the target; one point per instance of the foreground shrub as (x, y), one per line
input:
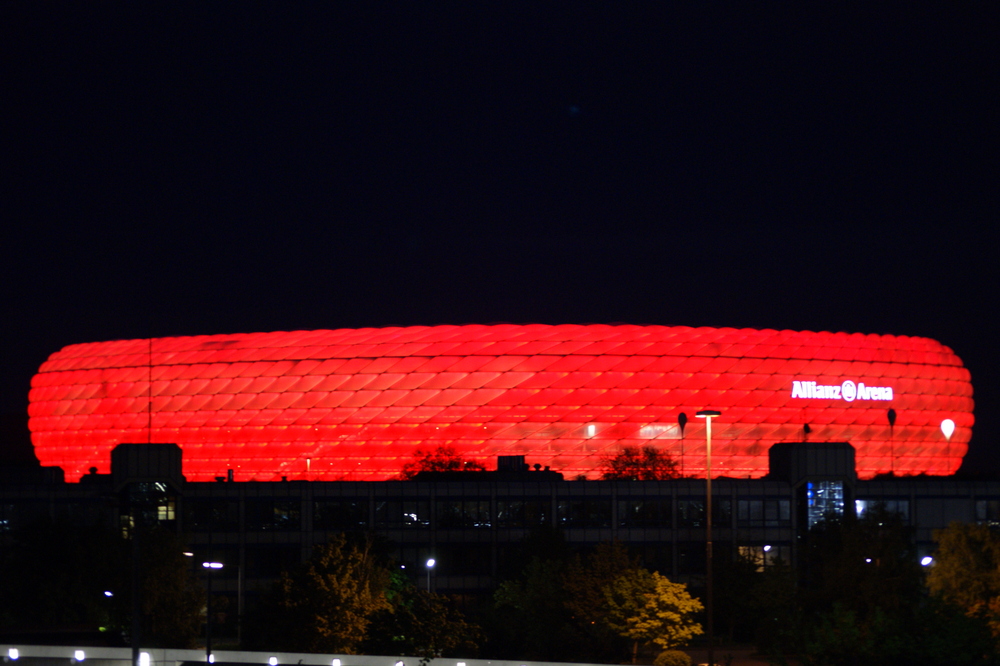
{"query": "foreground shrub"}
(672, 658)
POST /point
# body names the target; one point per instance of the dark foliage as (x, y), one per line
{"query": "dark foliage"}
(635, 463)
(444, 458)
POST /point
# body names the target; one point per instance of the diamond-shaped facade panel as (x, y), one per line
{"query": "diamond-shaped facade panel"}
(356, 404)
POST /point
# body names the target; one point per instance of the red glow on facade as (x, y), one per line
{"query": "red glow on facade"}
(355, 404)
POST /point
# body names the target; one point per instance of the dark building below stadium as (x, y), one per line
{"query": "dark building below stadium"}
(473, 524)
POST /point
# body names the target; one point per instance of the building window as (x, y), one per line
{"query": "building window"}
(268, 561)
(166, 509)
(764, 513)
(988, 511)
(822, 498)
(644, 513)
(898, 507)
(529, 512)
(466, 559)
(340, 514)
(463, 513)
(691, 558)
(584, 512)
(202, 515)
(766, 555)
(691, 512)
(655, 556)
(405, 514)
(268, 514)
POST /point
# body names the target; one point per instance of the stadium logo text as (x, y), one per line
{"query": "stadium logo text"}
(848, 391)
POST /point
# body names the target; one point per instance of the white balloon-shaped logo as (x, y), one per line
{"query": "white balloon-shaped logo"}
(948, 428)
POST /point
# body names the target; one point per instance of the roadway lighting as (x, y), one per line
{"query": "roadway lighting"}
(109, 593)
(708, 415)
(926, 561)
(211, 566)
(430, 565)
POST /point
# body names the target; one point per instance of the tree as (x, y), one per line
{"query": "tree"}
(633, 463)
(444, 458)
(63, 586)
(534, 622)
(421, 624)
(327, 604)
(57, 573)
(647, 607)
(584, 580)
(966, 570)
(862, 564)
(172, 598)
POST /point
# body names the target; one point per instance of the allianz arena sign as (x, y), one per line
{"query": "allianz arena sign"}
(847, 391)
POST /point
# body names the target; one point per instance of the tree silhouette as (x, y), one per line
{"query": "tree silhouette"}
(635, 463)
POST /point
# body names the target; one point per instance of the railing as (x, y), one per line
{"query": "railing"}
(58, 655)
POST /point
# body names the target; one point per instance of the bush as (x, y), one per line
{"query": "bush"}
(672, 658)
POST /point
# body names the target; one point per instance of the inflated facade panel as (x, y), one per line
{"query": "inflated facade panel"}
(356, 404)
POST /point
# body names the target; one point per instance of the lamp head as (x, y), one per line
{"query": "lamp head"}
(708, 414)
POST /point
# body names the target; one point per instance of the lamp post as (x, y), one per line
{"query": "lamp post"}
(430, 565)
(210, 566)
(708, 415)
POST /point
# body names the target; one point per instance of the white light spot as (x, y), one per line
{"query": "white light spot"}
(13, 653)
(143, 659)
(272, 661)
(79, 655)
(927, 561)
(591, 430)
(335, 662)
(948, 428)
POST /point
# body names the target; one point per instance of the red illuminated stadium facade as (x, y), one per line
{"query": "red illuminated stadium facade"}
(356, 404)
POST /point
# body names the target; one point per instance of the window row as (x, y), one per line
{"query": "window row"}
(274, 514)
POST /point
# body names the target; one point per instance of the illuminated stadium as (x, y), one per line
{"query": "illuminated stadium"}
(357, 404)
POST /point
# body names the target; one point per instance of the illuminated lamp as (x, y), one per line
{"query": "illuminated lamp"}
(356, 404)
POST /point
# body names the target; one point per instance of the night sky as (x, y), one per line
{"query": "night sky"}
(183, 169)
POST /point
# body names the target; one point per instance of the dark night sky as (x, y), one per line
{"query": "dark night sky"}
(172, 169)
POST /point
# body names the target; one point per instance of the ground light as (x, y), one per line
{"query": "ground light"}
(708, 415)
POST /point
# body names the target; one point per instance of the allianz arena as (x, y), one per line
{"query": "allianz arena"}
(357, 404)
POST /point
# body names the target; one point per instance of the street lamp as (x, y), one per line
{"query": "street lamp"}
(208, 611)
(708, 415)
(430, 565)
